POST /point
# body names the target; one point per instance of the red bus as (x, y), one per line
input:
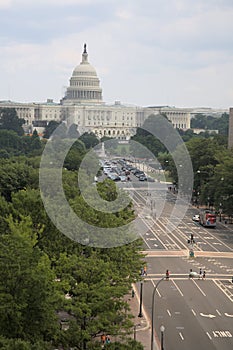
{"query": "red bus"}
(207, 218)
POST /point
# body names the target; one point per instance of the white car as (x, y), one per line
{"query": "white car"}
(123, 178)
(194, 274)
(196, 217)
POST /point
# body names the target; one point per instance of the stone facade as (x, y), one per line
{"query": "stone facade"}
(82, 105)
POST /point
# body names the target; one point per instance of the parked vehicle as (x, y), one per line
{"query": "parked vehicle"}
(139, 173)
(123, 178)
(196, 218)
(142, 178)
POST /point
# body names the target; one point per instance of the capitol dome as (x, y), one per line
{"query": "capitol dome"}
(84, 84)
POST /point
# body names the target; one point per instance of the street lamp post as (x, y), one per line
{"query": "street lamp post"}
(152, 312)
(134, 330)
(162, 329)
(220, 212)
(140, 305)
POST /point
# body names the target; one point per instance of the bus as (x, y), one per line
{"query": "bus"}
(207, 218)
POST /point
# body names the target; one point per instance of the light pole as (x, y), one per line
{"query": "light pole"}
(140, 305)
(152, 312)
(134, 330)
(162, 329)
(220, 212)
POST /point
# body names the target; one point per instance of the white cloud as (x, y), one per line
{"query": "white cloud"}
(41, 3)
(5, 4)
(179, 54)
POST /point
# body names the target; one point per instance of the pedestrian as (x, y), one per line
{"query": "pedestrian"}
(190, 273)
(191, 238)
(203, 275)
(167, 275)
(200, 273)
(103, 338)
(133, 293)
(144, 271)
(108, 341)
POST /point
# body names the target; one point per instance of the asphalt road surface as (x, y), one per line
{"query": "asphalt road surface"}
(196, 313)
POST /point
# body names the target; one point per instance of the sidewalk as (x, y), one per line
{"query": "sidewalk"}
(142, 325)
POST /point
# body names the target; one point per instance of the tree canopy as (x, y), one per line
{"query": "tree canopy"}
(47, 279)
(201, 121)
(10, 121)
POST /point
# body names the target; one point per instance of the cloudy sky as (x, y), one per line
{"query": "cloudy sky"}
(150, 52)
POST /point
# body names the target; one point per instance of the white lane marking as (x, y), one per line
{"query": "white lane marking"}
(209, 335)
(226, 314)
(178, 288)
(168, 312)
(220, 287)
(199, 288)
(157, 288)
(218, 312)
(209, 316)
(222, 334)
(194, 312)
(181, 335)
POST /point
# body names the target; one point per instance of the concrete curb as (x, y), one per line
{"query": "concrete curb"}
(148, 325)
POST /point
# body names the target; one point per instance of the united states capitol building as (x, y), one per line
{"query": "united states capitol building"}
(83, 105)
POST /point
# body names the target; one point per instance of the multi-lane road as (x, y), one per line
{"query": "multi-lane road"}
(196, 313)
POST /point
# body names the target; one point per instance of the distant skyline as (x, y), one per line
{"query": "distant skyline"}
(151, 52)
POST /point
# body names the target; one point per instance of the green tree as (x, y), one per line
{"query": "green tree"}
(19, 344)
(75, 156)
(145, 138)
(16, 176)
(96, 291)
(129, 345)
(220, 186)
(89, 139)
(221, 124)
(28, 295)
(10, 142)
(49, 129)
(10, 121)
(73, 132)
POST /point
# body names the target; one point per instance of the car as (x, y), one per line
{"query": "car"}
(193, 274)
(196, 218)
(123, 178)
(139, 173)
(142, 178)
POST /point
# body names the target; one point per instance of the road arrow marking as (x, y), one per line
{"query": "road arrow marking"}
(210, 316)
(226, 314)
